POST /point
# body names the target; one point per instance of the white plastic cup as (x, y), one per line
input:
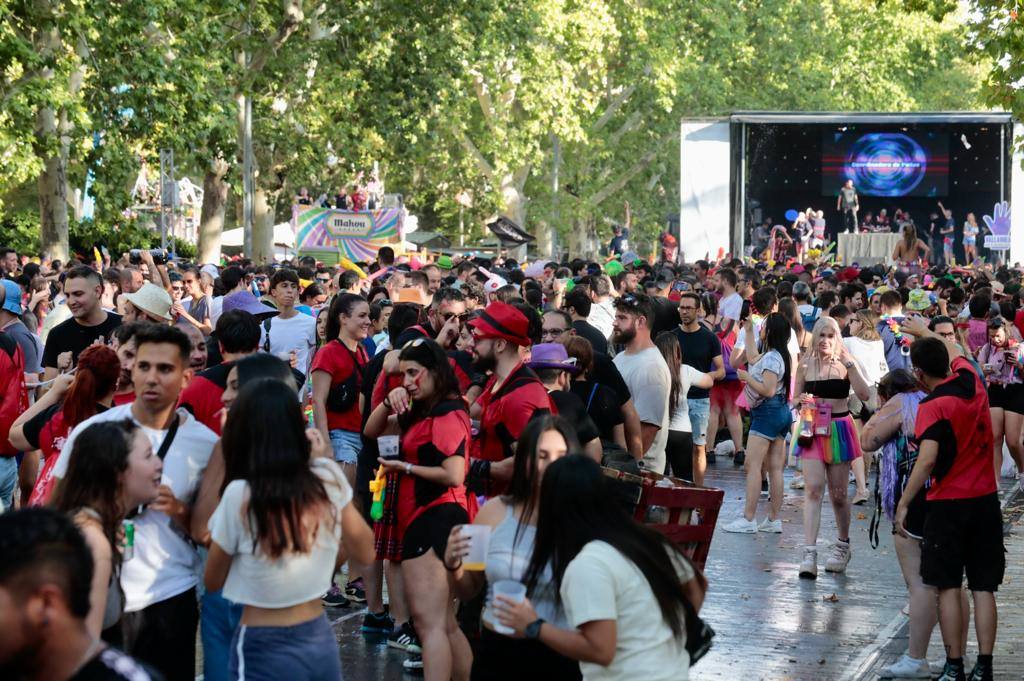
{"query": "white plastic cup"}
(513, 590)
(388, 446)
(479, 539)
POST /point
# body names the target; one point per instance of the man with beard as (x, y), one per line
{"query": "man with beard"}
(83, 288)
(46, 569)
(124, 339)
(646, 373)
(513, 395)
(730, 305)
(702, 350)
(442, 320)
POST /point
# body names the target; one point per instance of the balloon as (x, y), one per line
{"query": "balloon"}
(791, 214)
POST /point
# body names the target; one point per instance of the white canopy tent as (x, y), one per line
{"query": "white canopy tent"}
(284, 235)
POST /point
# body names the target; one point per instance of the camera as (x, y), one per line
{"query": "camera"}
(159, 255)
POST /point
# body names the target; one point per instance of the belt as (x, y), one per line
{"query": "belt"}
(839, 416)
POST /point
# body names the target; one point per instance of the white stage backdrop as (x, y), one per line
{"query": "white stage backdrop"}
(1016, 197)
(704, 211)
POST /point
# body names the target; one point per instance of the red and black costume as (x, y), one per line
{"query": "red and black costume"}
(427, 511)
(203, 395)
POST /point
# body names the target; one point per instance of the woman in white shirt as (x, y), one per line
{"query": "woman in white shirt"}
(866, 347)
(277, 536)
(679, 447)
(625, 588)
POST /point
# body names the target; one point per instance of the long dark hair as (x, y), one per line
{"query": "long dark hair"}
(431, 357)
(576, 508)
(525, 478)
(265, 429)
(341, 304)
(93, 480)
(776, 337)
(668, 344)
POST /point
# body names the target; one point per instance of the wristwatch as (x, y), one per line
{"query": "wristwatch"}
(532, 631)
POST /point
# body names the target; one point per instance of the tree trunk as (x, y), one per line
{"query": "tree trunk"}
(583, 238)
(211, 220)
(52, 189)
(515, 202)
(262, 228)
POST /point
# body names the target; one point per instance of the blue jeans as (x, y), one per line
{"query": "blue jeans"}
(218, 621)
(700, 409)
(8, 481)
(303, 652)
(346, 445)
(771, 419)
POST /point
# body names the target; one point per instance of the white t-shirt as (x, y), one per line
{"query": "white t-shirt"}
(650, 382)
(602, 584)
(602, 317)
(870, 356)
(294, 578)
(216, 309)
(297, 333)
(731, 306)
(164, 564)
(680, 418)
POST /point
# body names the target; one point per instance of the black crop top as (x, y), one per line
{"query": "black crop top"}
(829, 389)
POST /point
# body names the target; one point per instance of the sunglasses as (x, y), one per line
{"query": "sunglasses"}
(323, 281)
(448, 316)
(546, 333)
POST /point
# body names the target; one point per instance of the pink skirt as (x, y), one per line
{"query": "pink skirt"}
(840, 446)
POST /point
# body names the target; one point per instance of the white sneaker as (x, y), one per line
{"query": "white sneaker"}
(770, 526)
(742, 526)
(908, 667)
(797, 483)
(809, 565)
(840, 557)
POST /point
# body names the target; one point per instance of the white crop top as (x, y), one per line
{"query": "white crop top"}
(257, 580)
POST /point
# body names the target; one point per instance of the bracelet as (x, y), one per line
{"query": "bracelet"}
(408, 468)
(452, 569)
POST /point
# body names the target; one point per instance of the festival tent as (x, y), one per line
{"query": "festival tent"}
(283, 236)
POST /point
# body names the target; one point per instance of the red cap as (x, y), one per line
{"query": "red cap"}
(848, 274)
(501, 320)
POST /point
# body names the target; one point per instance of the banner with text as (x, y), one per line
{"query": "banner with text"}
(357, 235)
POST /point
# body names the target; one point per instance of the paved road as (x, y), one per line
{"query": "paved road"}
(771, 624)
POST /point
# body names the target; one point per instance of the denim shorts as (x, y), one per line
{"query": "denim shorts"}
(771, 419)
(699, 410)
(302, 652)
(346, 445)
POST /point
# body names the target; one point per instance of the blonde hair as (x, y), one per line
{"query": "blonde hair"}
(819, 326)
(868, 325)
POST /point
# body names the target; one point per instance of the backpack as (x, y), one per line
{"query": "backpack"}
(809, 320)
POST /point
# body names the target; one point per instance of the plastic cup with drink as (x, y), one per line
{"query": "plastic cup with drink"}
(514, 591)
(479, 538)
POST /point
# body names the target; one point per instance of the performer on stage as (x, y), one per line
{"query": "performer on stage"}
(848, 203)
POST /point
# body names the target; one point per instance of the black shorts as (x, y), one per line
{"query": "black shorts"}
(963, 535)
(1008, 397)
(431, 530)
(916, 512)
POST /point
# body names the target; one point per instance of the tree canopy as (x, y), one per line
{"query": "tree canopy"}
(553, 112)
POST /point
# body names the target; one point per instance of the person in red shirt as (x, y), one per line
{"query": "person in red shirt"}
(13, 401)
(513, 395)
(431, 499)
(238, 336)
(963, 529)
(73, 399)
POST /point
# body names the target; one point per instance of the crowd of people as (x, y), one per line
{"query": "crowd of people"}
(230, 448)
(934, 243)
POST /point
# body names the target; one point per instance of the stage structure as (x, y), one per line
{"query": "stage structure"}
(739, 171)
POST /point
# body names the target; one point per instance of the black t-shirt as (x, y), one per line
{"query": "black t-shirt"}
(70, 335)
(113, 665)
(585, 329)
(572, 409)
(602, 406)
(666, 315)
(699, 351)
(607, 374)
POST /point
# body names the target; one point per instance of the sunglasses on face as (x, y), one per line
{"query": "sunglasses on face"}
(323, 281)
(552, 333)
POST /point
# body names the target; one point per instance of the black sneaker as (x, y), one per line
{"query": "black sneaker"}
(355, 592)
(710, 457)
(739, 458)
(378, 624)
(764, 489)
(980, 673)
(404, 638)
(414, 663)
(953, 673)
(334, 598)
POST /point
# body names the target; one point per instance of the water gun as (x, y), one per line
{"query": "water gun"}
(377, 489)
